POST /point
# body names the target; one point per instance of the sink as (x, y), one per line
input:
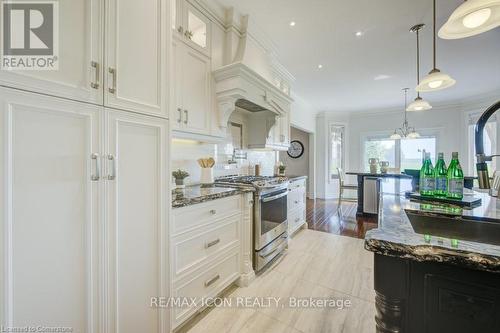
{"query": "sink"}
(468, 228)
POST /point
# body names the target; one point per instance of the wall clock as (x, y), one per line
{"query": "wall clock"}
(296, 149)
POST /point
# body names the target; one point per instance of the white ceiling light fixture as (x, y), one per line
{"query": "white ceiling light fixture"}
(359, 33)
(472, 18)
(320, 66)
(293, 23)
(405, 131)
(419, 104)
(435, 80)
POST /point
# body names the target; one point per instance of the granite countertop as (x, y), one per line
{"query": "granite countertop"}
(395, 236)
(381, 175)
(197, 194)
(295, 177)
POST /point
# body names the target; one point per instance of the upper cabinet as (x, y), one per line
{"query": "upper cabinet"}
(192, 26)
(192, 90)
(79, 76)
(117, 60)
(136, 37)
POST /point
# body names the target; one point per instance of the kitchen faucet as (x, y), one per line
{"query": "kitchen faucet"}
(481, 166)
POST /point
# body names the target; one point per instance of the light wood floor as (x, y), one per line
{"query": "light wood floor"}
(317, 265)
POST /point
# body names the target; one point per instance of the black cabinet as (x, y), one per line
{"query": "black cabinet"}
(429, 297)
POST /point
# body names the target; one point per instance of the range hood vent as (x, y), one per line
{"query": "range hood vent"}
(249, 106)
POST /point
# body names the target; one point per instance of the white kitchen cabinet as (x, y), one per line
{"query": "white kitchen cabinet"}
(84, 202)
(192, 26)
(80, 59)
(192, 90)
(136, 66)
(137, 229)
(50, 213)
(296, 205)
(208, 250)
(284, 138)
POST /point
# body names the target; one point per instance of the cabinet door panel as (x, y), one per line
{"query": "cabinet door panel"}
(80, 44)
(136, 55)
(195, 86)
(51, 212)
(137, 223)
(177, 114)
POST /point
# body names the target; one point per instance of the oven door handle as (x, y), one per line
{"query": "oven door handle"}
(274, 197)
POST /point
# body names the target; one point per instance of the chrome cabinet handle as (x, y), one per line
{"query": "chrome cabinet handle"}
(180, 29)
(212, 243)
(112, 71)
(180, 115)
(296, 202)
(188, 34)
(95, 66)
(212, 280)
(112, 176)
(186, 113)
(297, 220)
(213, 212)
(96, 176)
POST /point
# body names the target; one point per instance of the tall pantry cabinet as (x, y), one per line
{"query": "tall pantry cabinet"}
(84, 199)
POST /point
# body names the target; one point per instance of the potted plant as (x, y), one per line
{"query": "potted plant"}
(281, 170)
(179, 176)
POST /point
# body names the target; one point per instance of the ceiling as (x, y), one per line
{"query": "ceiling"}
(325, 33)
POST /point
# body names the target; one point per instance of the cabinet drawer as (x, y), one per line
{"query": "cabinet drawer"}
(296, 184)
(191, 249)
(197, 215)
(296, 197)
(295, 219)
(207, 284)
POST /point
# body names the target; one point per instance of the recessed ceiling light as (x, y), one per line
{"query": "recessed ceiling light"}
(292, 23)
(320, 66)
(381, 77)
(359, 34)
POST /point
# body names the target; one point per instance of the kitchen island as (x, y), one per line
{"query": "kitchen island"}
(428, 283)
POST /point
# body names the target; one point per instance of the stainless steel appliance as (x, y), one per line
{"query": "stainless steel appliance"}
(270, 214)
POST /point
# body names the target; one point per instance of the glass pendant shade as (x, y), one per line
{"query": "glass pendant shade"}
(435, 81)
(413, 135)
(395, 136)
(419, 104)
(471, 18)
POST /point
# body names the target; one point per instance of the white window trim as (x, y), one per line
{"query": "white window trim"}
(343, 163)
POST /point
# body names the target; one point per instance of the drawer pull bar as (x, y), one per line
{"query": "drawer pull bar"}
(212, 280)
(212, 243)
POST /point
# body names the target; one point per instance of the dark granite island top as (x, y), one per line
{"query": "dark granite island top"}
(395, 236)
(433, 284)
(197, 194)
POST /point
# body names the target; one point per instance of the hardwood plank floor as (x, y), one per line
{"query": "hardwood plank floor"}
(322, 216)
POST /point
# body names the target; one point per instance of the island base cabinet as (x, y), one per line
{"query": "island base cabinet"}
(83, 223)
(428, 297)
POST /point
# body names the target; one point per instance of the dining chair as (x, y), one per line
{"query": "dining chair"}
(343, 186)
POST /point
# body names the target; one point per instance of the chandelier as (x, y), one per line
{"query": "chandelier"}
(405, 131)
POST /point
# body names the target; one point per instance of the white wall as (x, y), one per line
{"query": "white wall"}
(297, 166)
(303, 115)
(448, 122)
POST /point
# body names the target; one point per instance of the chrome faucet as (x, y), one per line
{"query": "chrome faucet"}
(481, 166)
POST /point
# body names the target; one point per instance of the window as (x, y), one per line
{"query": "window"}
(337, 155)
(401, 154)
(489, 141)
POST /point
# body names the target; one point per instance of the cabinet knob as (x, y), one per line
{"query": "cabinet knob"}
(213, 212)
(180, 29)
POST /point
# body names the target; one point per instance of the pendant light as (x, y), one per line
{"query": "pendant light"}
(405, 131)
(419, 104)
(472, 18)
(435, 80)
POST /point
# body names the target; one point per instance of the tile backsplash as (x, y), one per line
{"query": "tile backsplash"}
(185, 154)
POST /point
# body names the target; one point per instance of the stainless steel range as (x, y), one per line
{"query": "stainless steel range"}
(270, 214)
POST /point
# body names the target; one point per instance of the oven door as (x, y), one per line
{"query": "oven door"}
(271, 216)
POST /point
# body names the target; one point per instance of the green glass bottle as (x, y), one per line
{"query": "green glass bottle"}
(455, 179)
(441, 175)
(427, 179)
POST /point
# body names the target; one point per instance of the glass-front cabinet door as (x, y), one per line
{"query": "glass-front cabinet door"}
(197, 28)
(191, 26)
